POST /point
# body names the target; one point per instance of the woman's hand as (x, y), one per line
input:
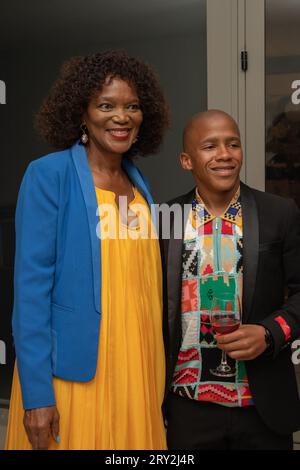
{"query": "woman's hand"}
(40, 424)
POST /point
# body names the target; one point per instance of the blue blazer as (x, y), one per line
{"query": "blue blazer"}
(57, 297)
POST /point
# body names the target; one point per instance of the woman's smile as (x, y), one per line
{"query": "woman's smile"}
(120, 133)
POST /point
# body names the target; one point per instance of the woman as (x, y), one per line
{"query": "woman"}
(87, 314)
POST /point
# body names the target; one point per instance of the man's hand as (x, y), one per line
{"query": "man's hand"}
(244, 344)
(40, 424)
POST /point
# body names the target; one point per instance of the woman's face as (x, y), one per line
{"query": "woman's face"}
(113, 118)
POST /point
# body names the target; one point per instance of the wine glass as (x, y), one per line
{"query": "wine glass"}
(225, 317)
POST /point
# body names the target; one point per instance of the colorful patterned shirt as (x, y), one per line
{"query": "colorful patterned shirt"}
(212, 263)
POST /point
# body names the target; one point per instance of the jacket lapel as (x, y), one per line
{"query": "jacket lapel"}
(87, 185)
(250, 248)
(174, 269)
(139, 181)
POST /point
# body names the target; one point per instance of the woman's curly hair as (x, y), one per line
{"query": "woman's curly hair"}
(60, 116)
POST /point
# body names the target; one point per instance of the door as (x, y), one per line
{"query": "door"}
(282, 47)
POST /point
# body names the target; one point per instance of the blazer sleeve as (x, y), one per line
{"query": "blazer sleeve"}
(36, 226)
(284, 324)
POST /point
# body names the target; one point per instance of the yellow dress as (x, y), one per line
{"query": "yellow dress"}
(121, 407)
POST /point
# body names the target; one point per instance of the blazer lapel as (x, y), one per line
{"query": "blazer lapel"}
(250, 248)
(174, 269)
(87, 185)
(138, 180)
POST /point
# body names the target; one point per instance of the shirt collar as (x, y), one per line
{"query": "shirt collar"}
(232, 214)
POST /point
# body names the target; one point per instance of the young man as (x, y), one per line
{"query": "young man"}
(246, 242)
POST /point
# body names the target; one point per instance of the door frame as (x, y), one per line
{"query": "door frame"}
(234, 26)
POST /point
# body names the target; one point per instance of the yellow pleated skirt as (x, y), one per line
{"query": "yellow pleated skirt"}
(120, 409)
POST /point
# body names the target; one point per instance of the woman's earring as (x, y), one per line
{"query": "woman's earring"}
(136, 139)
(84, 137)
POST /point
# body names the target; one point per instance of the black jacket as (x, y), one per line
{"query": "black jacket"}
(271, 287)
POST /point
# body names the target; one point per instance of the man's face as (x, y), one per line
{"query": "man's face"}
(214, 154)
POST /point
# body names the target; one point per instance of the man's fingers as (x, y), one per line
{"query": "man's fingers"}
(241, 355)
(244, 332)
(232, 337)
(233, 346)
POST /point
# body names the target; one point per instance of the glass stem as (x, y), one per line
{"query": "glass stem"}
(224, 359)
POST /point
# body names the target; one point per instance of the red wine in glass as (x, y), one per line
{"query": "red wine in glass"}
(224, 325)
(225, 317)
